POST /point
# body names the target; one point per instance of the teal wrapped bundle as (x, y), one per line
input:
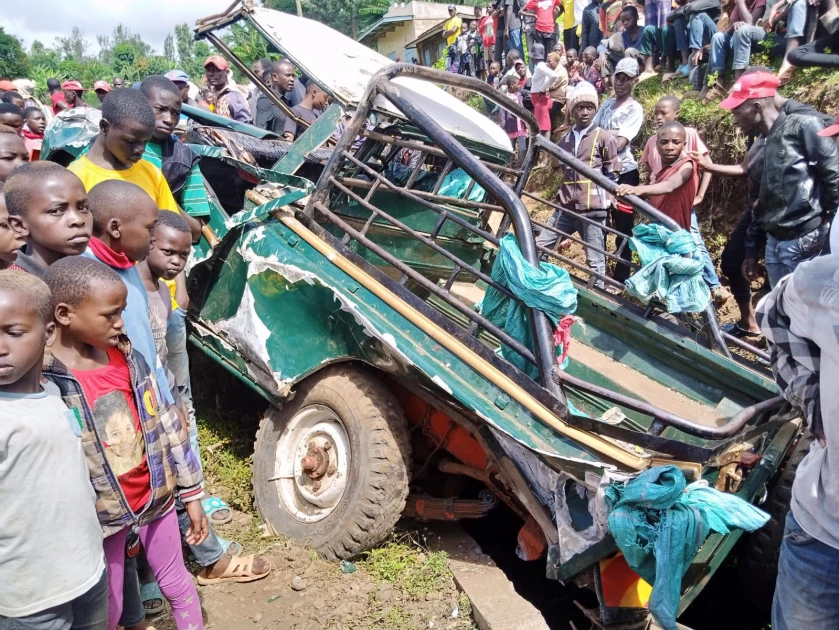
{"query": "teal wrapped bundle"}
(659, 525)
(457, 183)
(667, 274)
(547, 288)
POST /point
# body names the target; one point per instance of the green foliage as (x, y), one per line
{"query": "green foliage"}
(351, 17)
(14, 62)
(408, 567)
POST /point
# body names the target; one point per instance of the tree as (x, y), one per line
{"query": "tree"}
(246, 43)
(350, 17)
(106, 49)
(125, 61)
(169, 48)
(73, 47)
(14, 62)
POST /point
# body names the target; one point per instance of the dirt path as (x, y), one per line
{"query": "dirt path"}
(399, 586)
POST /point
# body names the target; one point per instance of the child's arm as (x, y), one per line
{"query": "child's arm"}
(674, 182)
(703, 188)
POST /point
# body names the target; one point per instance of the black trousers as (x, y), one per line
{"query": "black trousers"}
(570, 39)
(623, 223)
(813, 54)
(731, 261)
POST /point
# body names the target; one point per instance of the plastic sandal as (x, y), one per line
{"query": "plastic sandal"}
(149, 593)
(212, 505)
(239, 570)
(736, 330)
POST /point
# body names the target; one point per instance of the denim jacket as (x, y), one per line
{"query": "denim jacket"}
(171, 462)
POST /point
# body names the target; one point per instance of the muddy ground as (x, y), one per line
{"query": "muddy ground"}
(304, 591)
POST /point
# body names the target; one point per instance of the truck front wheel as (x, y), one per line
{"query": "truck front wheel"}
(331, 468)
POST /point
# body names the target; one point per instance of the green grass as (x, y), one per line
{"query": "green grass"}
(227, 456)
(227, 414)
(408, 567)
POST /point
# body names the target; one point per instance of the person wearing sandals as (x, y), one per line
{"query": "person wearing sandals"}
(737, 40)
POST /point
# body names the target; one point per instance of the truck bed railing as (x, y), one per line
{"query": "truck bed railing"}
(354, 175)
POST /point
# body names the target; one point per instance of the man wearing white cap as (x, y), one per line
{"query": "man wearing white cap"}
(623, 116)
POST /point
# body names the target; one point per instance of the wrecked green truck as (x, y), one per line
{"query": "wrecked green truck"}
(340, 276)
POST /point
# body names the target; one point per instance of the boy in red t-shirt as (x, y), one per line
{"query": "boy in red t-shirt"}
(667, 109)
(486, 27)
(678, 180)
(112, 391)
(546, 12)
(59, 103)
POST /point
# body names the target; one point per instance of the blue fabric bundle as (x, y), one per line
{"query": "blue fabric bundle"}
(659, 527)
(547, 288)
(456, 184)
(667, 273)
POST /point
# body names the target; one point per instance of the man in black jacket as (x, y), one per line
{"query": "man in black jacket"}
(799, 185)
(591, 34)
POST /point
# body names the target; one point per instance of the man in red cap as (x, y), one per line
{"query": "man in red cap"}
(832, 132)
(230, 103)
(73, 91)
(101, 88)
(799, 188)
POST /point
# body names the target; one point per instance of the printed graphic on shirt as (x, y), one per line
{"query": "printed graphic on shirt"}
(120, 434)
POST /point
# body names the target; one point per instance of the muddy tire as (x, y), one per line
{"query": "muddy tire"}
(758, 557)
(358, 434)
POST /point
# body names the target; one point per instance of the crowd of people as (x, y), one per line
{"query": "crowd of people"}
(688, 38)
(93, 301)
(116, 374)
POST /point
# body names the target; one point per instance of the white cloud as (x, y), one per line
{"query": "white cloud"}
(152, 19)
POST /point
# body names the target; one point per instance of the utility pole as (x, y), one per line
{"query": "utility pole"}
(299, 8)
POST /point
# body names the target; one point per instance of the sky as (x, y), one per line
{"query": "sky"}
(45, 20)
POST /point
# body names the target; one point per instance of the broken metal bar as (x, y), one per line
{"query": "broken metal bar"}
(452, 277)
(267, 91)
(420, 194)
(416, 170)
(413, 195)
(419, 146)
(443, 174)
(542, 328)
(456, 262)
(425, 283)
(734, 424)
(439, 226)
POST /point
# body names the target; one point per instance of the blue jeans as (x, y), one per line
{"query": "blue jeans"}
(709, 274)
(740, 43)
(88, 611)
(700, 30)
(675, 37)
(796, 19)
(782, 257)
(807, 590)
(515, 42)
